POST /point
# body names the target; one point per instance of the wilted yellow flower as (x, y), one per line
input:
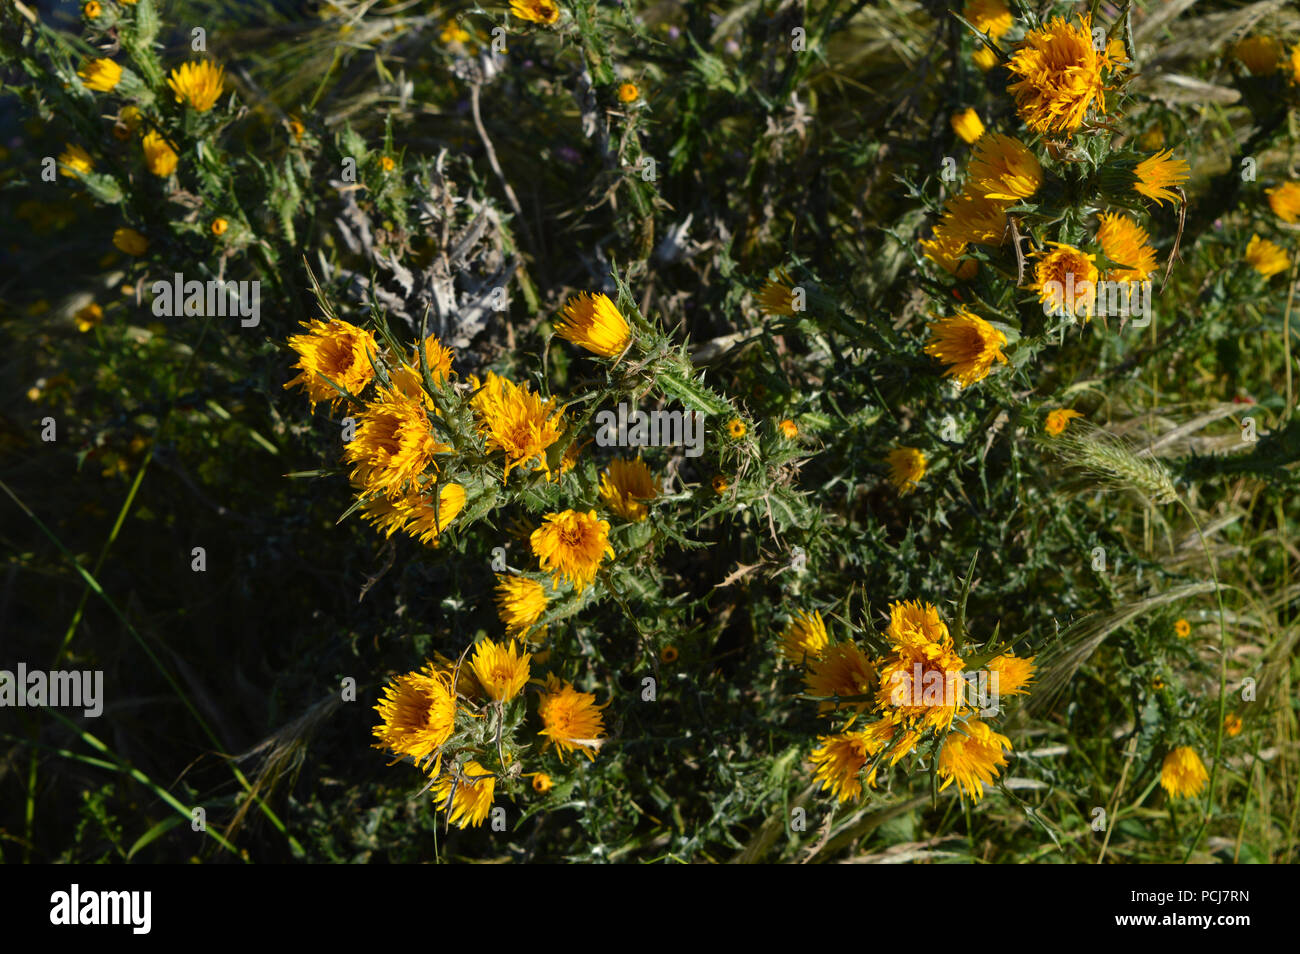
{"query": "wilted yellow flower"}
(219, 226)
(626, 486)
(571, 545)
(1259, 54)
(335, 350)
(628, 93)
(158, 155)
(520, 602)
(970, 757)
(1265, 257)
(101, 75)
(501, 669)
(1182, 628)
(517, 422)
(776, 297)
(88, 317)
(841, 670)
(1002, 168)
(74, 160)
(1183, 774)
(130, 241)
(393, 446)
(1058, 420)
(419, 713)
(1066, 280)
(967, 125)
(967, 344)
(1125, 242)
(470, 795)
(571, 720)
(595, 323)
(1156, 172)
(544, 12)
(1056, 76)
(906, 468)
(804, 636)
(1283, 200)
(1232, 724)
(1014, 673)
(198, 83)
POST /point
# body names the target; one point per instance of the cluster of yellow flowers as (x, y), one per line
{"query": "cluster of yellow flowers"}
(919, 692)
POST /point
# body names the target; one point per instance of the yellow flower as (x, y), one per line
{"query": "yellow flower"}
(776, 297)
(452, 33)
(967, 344)
(841, 670)
(393, 445)
(571, 545)
(736, 428)
(668, 654)
(912, 621)
(626, 486)
(628, 93)
(593, 322)
(1066, 280)
(906, 468)
(128, 121)
(88, 317)
(501, 670)
(470, 795)
(387, 164)
(975, 219)
(1056, 76)
(514, 420)
(1125, 242)
(970, 757)
(571, 720)
(336, 350)
(840, 759)
(1182, 628)
(720, 484)
(76, 161)
(130, 241)
(1259, 54)
(407, 378)
(945, 250)
(219, 226)
(1156, 172)
(418, 712)
(1265, 257)
(789, 429)
(91, 10)
(984, 58)
(520, 602)
(544, 12)
(967, 125)
(988, 16)
(804, 637)
(1014, 673)
(921, 679)
(1002, 168)
(297, 129)
(542, 783)
(1232, 724)
(1183, 773)
(1294, 63)
(158, 155)
(198, 83)
(1058, 420)
(101, 75)
(415, 512)
(1284, 201)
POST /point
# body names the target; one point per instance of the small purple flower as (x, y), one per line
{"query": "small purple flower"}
(674, 33)
(1218, 225)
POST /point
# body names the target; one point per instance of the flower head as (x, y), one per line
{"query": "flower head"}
(1266, 257)
(416, 513)
(1283, 200)
(736, 428)
(1182, 628)
(1002, 168)
(804, 637)
(628, 93)
(571, 720)
(219, 226)
(542, 783)
(967, 125)
(968, 345)
(1066, 280)
(971, 756)
(720, 484)
(393, 445)
(101, 75)
(418, 712)
(1259, 54)
(130, 241)
(1056, 76)
(1157, 172)
(74, 161)
(841, 671)
(975, 219)
(572, 545)
(945, 250)
(470, 795)
(159, 156)
(1014, 673)
(984, 58)
(88, 317)
(1058, 420)
(198, 83)
(1125, 242)
(500, 669)
(514, 420)
(840, 759)
(544, 12)
(595, 323)
(1182, 774)
(988, 16)
(335, 350)
(921, 681)
(1232, 724)
(627, 486)
(437, 361)
(906, 468)
(520, 602)
(777, 297)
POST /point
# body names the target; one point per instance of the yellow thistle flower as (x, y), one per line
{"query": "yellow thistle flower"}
(297, 129)
(1294, 63)
(736, 428)
(520, 602)
(1232, 724)
(470, 795)
(198, 83)
(501, 670)
(946, 251)
(719, 484)
(542, 783)
(419, 713)
(1265, 257)
(452, 33)
(1125, 242)
(101, 75)
(1156, 172)
(628, 93)
(75, 161)
(544, 12)
(130, 241)
(988, 16)
(842, 670)
(219, 226)
(407, 377)
(1283, 200)
(593, 322)
(970, 757)
(921, 680)
(668, 654)
(1066, 280)
(1058, 420)
(626, 486)
(1182, 773)
(839, 762)
(415, 513)
(1002, 168)
(788, 428)
(776, 297)
(336, 350)
(158, 155)
(912, 622)
(804, 637)
(1014, 673)
(393, 445)
(571, 545)
(975, 219)
(92, 10)
(906, 468)
(1057, 76)
(571, 720)
(387, 163)
(517, 422)
(1259, 54)
(967, 344)
(1182, 628)
(967, 125)
(88, 317)
(984, 58)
